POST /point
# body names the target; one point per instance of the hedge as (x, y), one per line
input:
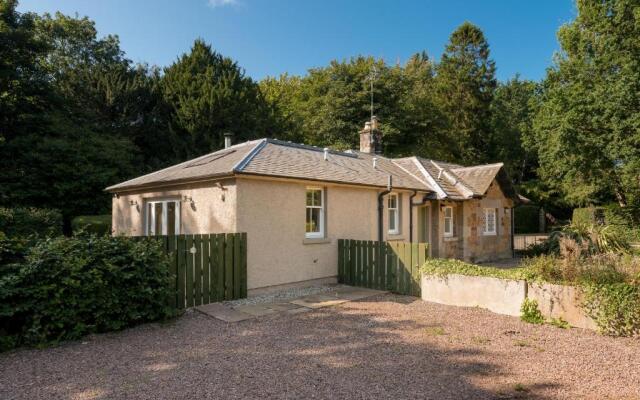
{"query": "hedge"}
(22, 221)
(527, 219)
(98, 224)
(65, 287)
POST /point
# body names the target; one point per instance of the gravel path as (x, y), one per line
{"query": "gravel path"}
(385, 347)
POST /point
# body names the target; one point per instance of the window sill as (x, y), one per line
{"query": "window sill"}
(450, 238)
(489, 234)
(316, 240)
(392, 237)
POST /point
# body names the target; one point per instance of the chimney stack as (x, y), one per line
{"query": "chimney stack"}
(371, 137)
(228, 138)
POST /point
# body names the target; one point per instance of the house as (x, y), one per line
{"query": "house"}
(295, 201)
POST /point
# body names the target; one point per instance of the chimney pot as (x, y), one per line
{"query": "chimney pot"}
(326, 153)
(228, 138)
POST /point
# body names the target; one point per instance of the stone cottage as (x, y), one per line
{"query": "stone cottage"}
(295, 201)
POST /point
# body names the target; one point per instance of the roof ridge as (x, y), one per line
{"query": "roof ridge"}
(308, 147)
(247, 159)
(481, 166)
(439, 189)
(409, 172)
(455, 180)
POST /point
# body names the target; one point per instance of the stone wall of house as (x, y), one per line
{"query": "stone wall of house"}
(479, 246)
(469, 241)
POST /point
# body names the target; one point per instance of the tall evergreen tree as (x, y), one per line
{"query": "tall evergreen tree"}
(24, 87)
(465, 86)
(210, 95)
(588, 127)
(514, 105)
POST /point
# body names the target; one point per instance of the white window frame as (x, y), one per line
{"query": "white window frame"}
(150, 221)
(395, 211)
(320, 234)
(451, 218)
(487, 212)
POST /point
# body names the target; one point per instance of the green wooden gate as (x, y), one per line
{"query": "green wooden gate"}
(207, 268)
(393, 266)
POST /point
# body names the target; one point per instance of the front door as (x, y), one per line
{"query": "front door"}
(423, 224)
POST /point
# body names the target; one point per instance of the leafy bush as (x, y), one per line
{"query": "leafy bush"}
(65, 288)
(527, 219)
(28, 221)
(530, 312)
(614, 307)
(444, 266)
(98, 224)
(588, 216)
(583, 240)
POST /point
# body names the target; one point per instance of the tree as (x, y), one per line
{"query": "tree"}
(23, 83)
(588, 126)
(423, 126)
(465, 83)
(210, 95)
(94, 116)
(512, 111)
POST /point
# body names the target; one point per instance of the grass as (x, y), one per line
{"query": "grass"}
(480, 340)
(559, 323)
(435, 331)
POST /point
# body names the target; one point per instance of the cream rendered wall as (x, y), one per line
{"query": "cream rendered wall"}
(213, 209)
(272, 212)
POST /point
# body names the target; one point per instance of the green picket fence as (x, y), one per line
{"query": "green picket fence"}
(393, 266)
(207, 268)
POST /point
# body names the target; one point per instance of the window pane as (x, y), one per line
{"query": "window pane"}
(447, 212)
(171, 218)
(149, 221)
(157, 209)
(392, 220)
(393, 201)
(447, 225)
(309, 197)
(317, 198)
(313, 220)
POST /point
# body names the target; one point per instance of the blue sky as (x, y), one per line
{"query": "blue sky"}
(270, 37)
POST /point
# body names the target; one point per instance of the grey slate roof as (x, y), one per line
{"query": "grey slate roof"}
(276, 158)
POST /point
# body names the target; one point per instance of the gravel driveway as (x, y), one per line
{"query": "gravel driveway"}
(389, 347)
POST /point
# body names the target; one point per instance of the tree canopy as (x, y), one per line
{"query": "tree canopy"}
(76, 115)
(588, 126)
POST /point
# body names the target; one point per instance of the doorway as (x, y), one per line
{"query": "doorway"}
(424, 224)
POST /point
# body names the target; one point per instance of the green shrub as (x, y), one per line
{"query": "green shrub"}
(69, 287)
(444, 266)
(28, 221)
(527, 219)
(98, 224)
(588, 216)
(530, 312)
(614, 307)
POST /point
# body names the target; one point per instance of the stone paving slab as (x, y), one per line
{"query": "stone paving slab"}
(284, 306)
(224, 313)
(318, 301)
(355, 293)
(337, 296)
(257, 310)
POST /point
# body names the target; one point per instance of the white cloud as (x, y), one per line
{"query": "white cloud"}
(221, 3)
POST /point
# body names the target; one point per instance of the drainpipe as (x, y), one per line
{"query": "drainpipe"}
(381, 207)
(411, 205)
